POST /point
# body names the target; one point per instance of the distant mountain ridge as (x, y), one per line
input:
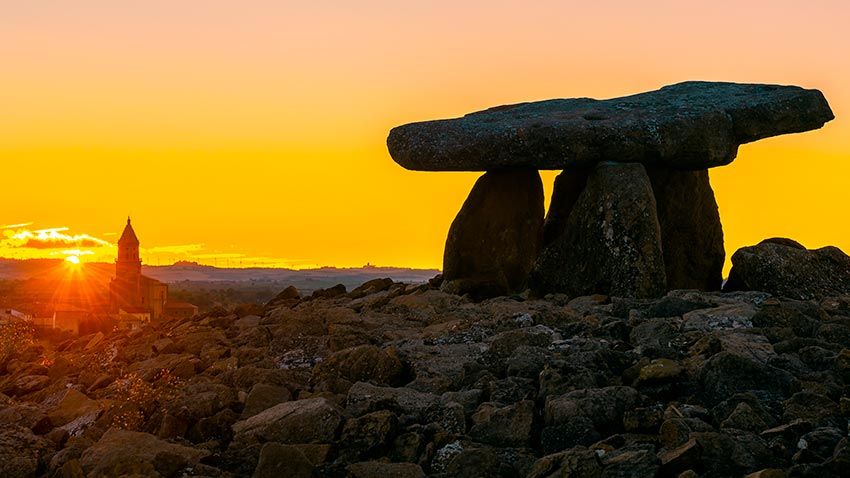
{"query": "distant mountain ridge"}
(18, 269)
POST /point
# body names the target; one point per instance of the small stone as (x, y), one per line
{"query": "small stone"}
(767, 473)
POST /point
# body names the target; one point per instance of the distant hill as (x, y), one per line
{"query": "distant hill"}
(14, 269)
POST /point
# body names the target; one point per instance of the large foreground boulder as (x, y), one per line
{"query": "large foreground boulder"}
(21, 452)
(785, 268)
(691, 233)
(611, 242)
(123, 452)
(496, 236)
(313, 420)
(690, 125)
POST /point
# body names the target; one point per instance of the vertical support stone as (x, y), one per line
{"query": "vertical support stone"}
(568, 186)
(611, 242)
(691, 233)
(496, 236)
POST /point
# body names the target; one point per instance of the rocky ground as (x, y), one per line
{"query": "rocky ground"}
(395, 380)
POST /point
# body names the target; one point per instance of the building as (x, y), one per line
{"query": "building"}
(130, 292)
(180, 310)
(12, 314)
(132, 318)
(69, 317)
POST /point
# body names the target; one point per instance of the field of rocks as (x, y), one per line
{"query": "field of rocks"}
(396, 380)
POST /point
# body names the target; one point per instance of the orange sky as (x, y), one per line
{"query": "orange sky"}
(255, 131)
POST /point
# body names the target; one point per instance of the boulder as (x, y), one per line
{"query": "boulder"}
(364, 398)
(691, 125)
(313, 420)
(21, 452)
(727, 373)
(283, 460)
(369, 434)
(506, 426)
(472, 460)
(122, 452)
(633, 461)
(371, 287)
(576, 462)
(496, 236)
(71, 406)
(287, 297)
(733, 316)
(264, 396)
(785, 268)
(691, 233)
(361, 363)
(377, 469)
(329, 293)
(602, 406)
(612, 240)
(27, 384)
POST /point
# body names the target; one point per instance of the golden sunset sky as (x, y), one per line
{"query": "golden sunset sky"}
(245, 132)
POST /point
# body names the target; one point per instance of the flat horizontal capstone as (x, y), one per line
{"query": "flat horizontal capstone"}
(691, 125)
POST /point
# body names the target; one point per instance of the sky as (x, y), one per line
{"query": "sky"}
(254, 132)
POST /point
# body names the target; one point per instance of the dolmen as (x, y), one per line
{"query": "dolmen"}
(632, 213)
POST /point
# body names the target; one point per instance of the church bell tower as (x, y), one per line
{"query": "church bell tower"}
(128, 266)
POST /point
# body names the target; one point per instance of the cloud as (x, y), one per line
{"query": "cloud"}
(53, 238)
(16, 226)
(61, 244)
(77, 252)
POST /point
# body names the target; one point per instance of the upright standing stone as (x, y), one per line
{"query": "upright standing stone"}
(496, 236)
(568, 186)
(612, 240)
(691, 233)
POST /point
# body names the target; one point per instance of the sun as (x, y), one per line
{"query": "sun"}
(75, 260)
